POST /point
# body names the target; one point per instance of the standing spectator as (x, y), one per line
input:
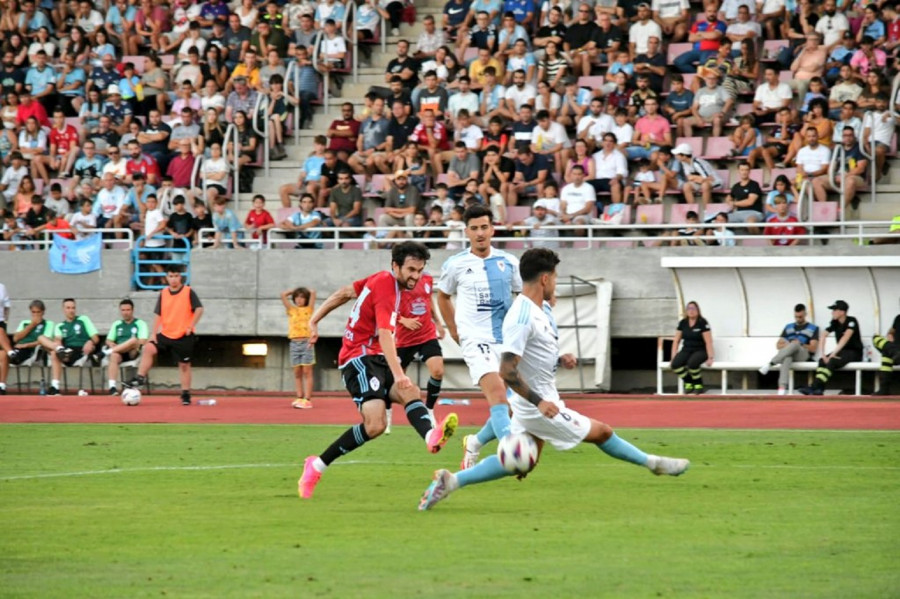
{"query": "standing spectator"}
(849, 346)
(696, 351)
(299, 304)
(178, 310)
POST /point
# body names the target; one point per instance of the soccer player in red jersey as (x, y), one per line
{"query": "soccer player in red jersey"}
(418, 333)
(369, 364)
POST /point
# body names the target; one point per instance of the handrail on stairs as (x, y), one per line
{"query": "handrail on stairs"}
(198, 164)
(870, 155)
(350, 36)
(262, 104)
(232, 136)
(292, 75)
(326, 76)
(839, 161)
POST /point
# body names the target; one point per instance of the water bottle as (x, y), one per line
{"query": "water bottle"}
(43, 389)
(206, 402)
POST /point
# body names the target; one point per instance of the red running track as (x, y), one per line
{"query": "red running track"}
(650, 413)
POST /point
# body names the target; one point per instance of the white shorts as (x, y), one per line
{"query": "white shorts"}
(564, 431)
(481, 358)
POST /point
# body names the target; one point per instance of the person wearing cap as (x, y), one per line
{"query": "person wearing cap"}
(699, 175)
(849, 347)
(400, 203)
(119, 112)
(889, 346)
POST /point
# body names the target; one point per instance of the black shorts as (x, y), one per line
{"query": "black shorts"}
(780, 149)
(367, 377)
(20, 355)
(76, 355)
(182, 349)
(421, 352)
(3, 325)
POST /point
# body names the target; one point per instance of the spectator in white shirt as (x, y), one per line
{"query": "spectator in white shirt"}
(110, 206)
(519, 93)
(611, 168)
(813, 158)
(770, 97)
(641, 32)
(673, 17)
(594, 124)
(729, 10)
(577, 201)
(832, 25)
(549, 138)
(879, 125)
(464, 98)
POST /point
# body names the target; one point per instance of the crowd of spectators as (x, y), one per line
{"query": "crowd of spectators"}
(576, 106)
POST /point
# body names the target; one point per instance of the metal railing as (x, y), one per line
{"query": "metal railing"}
(870, 155)
(839, 162)
(46, 240)
(195, 172)
(161, 257)
(348, 30)
(207, 235)
(232, 136)
(805, 195)
(326, 75)
(262, 104)
(292, 76)
(595, 237)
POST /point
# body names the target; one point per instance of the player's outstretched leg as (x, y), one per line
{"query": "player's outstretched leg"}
(472, 445)
(373, 425)
(613, 445)
(445, 482)
(435, 436)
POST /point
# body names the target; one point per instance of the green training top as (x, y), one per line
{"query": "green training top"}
(46, 329)
(76, 333)
(122, 331)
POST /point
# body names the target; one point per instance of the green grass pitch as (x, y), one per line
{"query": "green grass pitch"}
(212, 511)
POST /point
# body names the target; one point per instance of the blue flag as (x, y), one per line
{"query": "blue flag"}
(75, 257)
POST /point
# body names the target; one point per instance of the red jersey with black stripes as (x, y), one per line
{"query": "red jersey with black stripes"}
(377, 302)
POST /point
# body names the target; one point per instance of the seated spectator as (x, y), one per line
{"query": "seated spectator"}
(248, 141)
(550, 140)
(745, 137)
(74, 337)
(431, 137)
(411, 162)
(699, 175)
(110, 207)
(463, 167)
(724, 237)
(650, 132)
(12, 178)
(809, 63)
(611, 168)
(400, 202)
(369, 155)
(58, 225)
(345, 203)
(117, 164)
(706, 33)
(37, 218)
(71, 86)
(671, 175)
(688, 235)
(119, 112)
(782, 186)
(878, 128)
(776, 143)
(574, 104)
(711, 106)
(744, 74)
(532, 171)
(301, 224)
(745, 199)
(816, 91)
(181, 167)
(33, 147)
(798, 341)
(852, 171)
(770, 97)
(577, 201)
(538, 222)
(640, 191)
(84, 221)
(785, 224)
(55, 200)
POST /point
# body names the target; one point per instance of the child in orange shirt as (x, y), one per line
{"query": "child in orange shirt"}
(299, 304)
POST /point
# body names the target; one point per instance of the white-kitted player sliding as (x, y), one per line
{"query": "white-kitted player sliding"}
(529, 357)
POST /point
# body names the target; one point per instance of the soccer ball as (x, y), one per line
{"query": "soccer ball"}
(518, 453)
(131, 396)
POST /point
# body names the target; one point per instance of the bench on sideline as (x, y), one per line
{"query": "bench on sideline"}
(746, 354)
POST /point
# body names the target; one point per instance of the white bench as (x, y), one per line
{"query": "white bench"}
(735, 354)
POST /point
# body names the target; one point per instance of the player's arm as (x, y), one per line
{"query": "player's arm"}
(842, 342)
(386, 340)
(812, 346)
(509, 372)
(448, 313)
(438, 327)
(335, 300)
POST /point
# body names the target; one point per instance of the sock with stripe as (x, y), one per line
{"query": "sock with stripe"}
(432, 391)
(418, 417)
(486, 470)
(500, 420)
(621, 449)
(353, 438)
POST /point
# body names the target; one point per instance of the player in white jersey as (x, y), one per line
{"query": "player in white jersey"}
(483, 279)
(529, 357)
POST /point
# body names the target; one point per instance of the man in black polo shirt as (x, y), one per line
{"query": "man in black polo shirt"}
(745, 199)
(399, 129)
(553, 31)
(579, 41)
(849, 347)
(404, 66)
(608, 39)
(12, 79)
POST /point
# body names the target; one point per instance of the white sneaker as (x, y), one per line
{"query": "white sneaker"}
(395, 31)
(443, 484)
(672, 466)
(389, 417)
(470, 456)
(782, 391)
(765, 369)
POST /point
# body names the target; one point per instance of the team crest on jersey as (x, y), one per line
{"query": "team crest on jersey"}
(501, 266)
(418, 307)
(374, 383)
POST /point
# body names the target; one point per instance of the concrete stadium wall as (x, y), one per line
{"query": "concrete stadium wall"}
(240, 290)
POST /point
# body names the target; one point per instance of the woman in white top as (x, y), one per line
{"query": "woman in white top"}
(214, 174)
(9, 111)
(248, 14)
(42, 42)
(33, 146)
(547, 99)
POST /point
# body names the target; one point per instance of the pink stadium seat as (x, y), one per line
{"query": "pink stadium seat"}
(771, 48)
(679, 212)
(696, 144)
(753, 242)
(470, 55)
(137, 61)
(360, 180)
(517, 213)
(718, 148)
(725, 175)
(688, 79)
(790, 173)
(649, 214)
(378, 182)
(743, 109)
(514, 243)
(824, 212)
(592, 82)
(627, 244)
(284, 213)
(757, 175)
(39, 186)
(785, 76)
(676, 50)
(711, 210)
(353, 245)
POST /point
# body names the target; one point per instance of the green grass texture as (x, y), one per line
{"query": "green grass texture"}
(212, 511)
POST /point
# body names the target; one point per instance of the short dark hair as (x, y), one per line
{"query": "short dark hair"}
(409, 249)
(37, 304)
(126, 302)
(799, 308)
(537, 261)
(303, 291)
(175, 268)
(477, 211)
